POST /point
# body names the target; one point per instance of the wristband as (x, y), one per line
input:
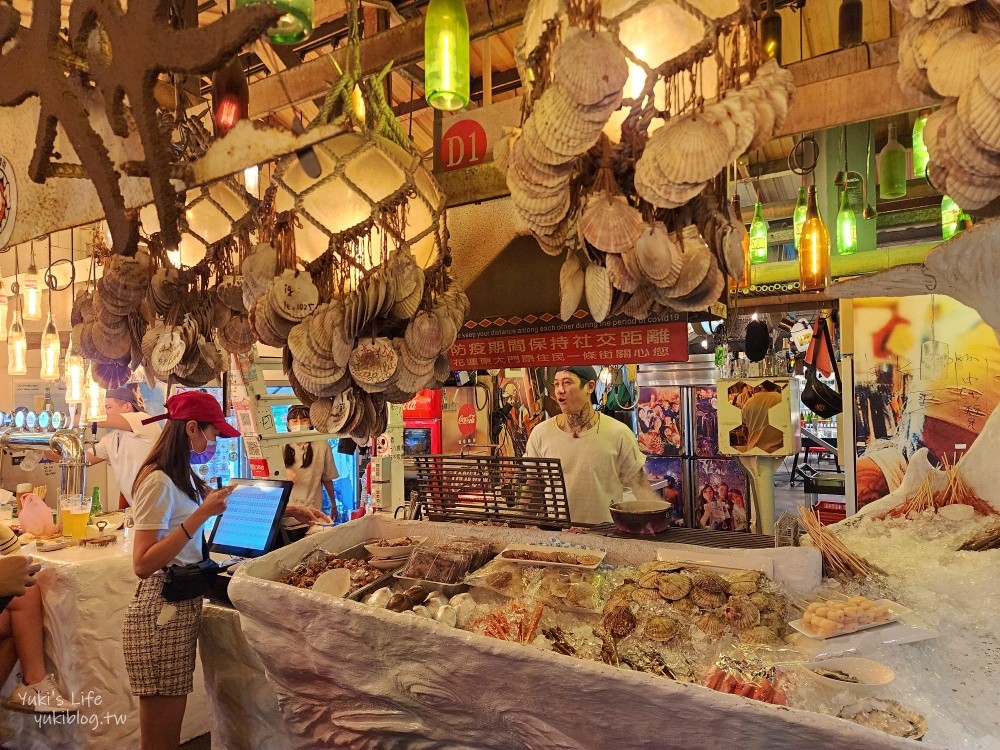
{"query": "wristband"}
(185, 531)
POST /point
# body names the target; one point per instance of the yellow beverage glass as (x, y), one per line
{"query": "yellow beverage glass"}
(74, 523)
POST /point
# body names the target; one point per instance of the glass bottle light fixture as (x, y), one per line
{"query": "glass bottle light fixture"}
(950, 214)
(814, 249)
(892, 168)
(851, 24)
(770, 32)
(847, 226)
(75, 376)
(96, 396)
(4, 309)
(230, 96)
(50, 350)
(799, 216)
(31, 291)
(921, 157)
(758, 235)
(294, 26)
(251, 179)
(17, 346)
(446, 55)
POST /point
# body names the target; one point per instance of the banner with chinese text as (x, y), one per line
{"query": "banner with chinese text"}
(543, 343)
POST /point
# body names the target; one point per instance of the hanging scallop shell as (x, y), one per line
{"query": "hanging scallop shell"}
(688, 149)
(657, 255)
(590, 66)
(956, 64)
(639, 303)
(978, 108)
(621, 277)
(599, 292)
(927, 37)
(609, 223)
(571, 284)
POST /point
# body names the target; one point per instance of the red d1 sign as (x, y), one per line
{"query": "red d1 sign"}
(463, 145)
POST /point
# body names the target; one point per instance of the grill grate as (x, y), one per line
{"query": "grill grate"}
(702, 537)
(517, 491)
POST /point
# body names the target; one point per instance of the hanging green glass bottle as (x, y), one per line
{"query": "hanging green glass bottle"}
(293, 27)
(921, 157)
(950, 214)
(892, 168)
(758, 235)
(446, 55)
(847, 226)
(799, 216)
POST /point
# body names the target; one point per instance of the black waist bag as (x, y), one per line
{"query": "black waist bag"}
(817, 395)
(189, 581)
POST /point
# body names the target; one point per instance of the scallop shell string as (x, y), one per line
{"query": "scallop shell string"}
(570, 191)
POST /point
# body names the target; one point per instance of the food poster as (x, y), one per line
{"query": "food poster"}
(519, 409)
(706, 421)
(659, 421)
(927, 375)
(756, 417)
(671, 471)
(722, 500)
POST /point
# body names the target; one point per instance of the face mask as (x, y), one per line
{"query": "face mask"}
(297, 427)
(203, 457)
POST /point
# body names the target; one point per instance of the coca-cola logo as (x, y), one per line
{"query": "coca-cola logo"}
(467, 420)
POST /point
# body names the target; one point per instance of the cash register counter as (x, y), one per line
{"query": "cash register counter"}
(85, 592)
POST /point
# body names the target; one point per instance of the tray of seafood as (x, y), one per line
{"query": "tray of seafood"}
(842, 617)
(364, 577)
(565, 588)
(447, 561)
(567, 557)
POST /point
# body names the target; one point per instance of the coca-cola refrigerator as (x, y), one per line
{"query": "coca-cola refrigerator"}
(422, 424)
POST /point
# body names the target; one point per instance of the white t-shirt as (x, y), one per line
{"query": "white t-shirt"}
(159, 505)
(126, 451)
(597, 465)
(307, 490)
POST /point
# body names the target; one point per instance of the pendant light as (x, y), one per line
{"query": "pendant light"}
(75, 376)
(770, 32)
(758, 235)
(799, 216)
(446, 55)
(96, 396)
(892, 168)
(847, 226)
(4, 309)
(230, 97)
(850, 30)
(294, 26)
(814, 249)
(17, 342)
(31, 291)
(251, 179)
(50, 349)
(921, 157)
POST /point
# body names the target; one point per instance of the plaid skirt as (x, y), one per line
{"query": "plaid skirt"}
(160, 651)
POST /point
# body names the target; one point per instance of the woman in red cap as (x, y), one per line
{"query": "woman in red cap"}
(171, 504)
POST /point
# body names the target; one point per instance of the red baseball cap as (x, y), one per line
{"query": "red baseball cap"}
(199, 406)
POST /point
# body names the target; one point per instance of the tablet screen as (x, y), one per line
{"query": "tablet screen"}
(250, 523)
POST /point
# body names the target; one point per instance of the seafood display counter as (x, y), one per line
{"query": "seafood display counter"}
(534, 639)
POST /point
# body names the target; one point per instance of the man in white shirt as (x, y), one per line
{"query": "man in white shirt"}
(600, 456)
(128, 440)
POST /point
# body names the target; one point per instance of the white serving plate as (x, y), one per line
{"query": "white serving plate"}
(388, 563)
(871, 675)
(382, 553)
(896, 610)
(599, 554)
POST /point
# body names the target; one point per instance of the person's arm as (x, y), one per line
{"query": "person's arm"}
(154, 548)
(17, 572)
(90, 458)
(704, 523)
(116, 422)
(305, 515)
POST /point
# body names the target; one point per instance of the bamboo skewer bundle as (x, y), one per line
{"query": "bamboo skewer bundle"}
(838, 560)
(957, 492)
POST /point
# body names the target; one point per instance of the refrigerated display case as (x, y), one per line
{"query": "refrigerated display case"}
(677, 427)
